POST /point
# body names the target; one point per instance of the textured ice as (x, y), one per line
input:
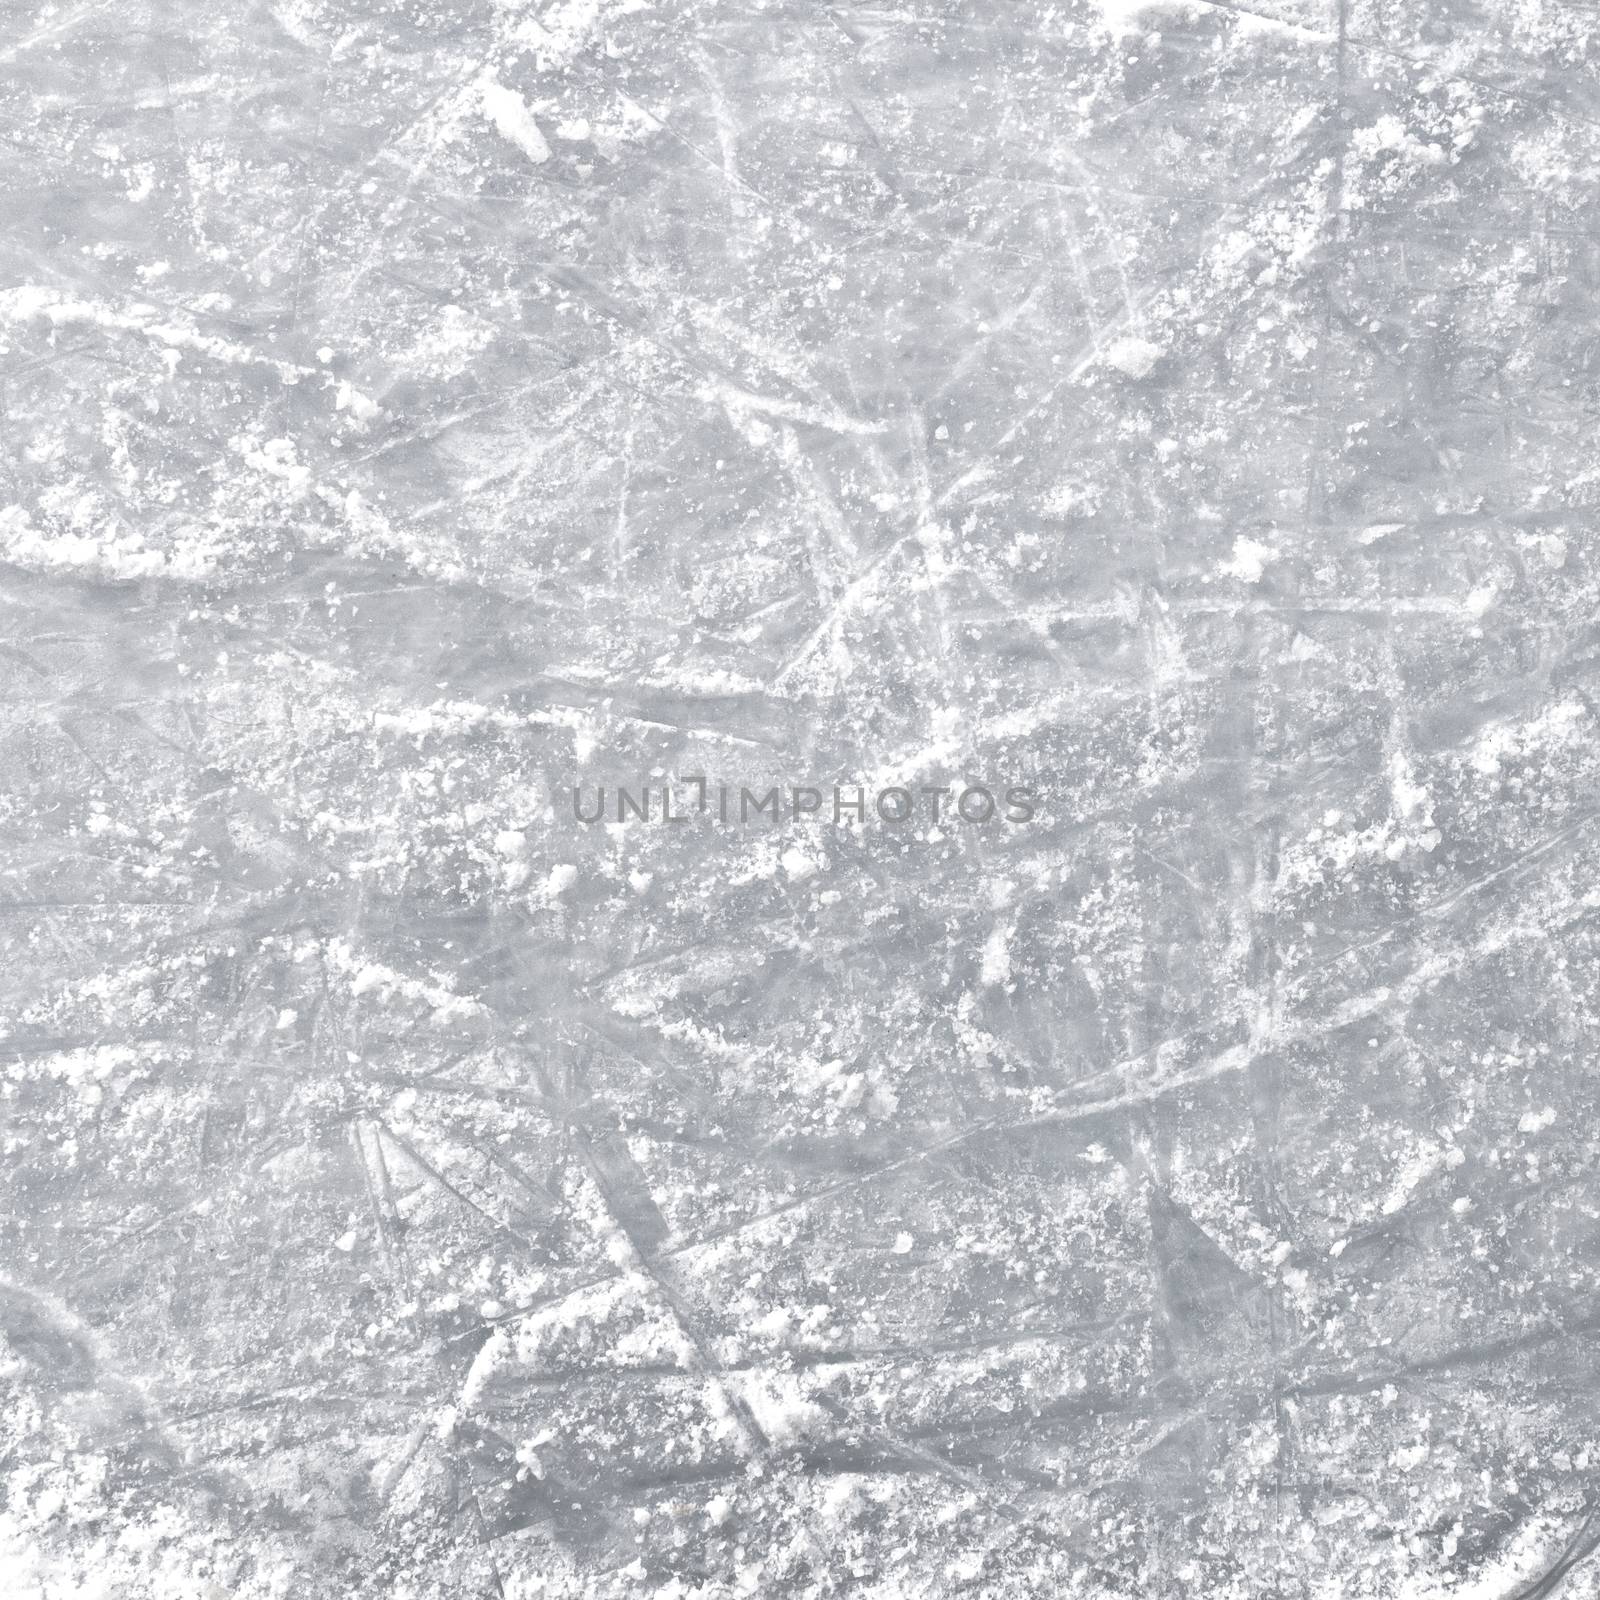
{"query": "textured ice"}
(1185, 413)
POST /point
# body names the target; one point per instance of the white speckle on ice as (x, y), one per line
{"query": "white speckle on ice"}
(1425, 1161)
(384, 982)
(1120, 15)
(996, 968)
(1132, 355)
(1413, 803)
(561, 878)
(797, 864)
(92, 543)
(1563, 726)
(1389, 135)
(1073, 499)
(446, 348)
(967, 1568)
(1254, 22)
(565, 28)
(1250, 559)
(346, 397)
(512, 119)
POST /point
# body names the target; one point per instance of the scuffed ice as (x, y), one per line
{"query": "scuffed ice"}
(1187, 411)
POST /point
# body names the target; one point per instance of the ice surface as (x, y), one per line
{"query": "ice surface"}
(1183, 412)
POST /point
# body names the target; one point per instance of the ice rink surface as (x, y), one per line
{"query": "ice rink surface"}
(1184, 412)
